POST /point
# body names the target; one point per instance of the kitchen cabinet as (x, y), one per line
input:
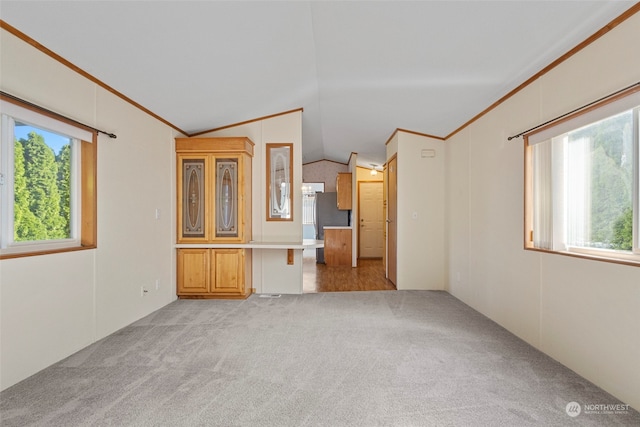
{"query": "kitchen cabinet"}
(337, 246)
(343, 188)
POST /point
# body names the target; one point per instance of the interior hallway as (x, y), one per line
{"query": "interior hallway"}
(368, 276)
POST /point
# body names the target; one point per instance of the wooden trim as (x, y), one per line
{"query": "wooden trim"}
(595, 36)
(25, 38)
(527, 227)
(350, 156)
(413, 133)
(246, 122)
(326, 160)
(587, 256)
(268, 147)
(420, 134)
(89, 193)
(391, 137)
(239, 144)
(46, 252)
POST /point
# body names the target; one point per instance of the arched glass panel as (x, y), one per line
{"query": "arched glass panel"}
(226, 198)
(279, 181)
(192, 198)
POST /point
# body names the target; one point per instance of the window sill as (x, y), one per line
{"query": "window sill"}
(11, 255)
(628, 259)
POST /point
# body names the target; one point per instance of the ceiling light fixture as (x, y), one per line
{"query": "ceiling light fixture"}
(374, 171)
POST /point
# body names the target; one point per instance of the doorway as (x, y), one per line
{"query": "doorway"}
(309, 231)
(371, 221)
(392, 213)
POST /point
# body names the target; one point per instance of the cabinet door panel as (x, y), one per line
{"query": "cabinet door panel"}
(193, 270)
(227, 269)
(192, 198)
(226, 200)
(343, 188)
(337, 247)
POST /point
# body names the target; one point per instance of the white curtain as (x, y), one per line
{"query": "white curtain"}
(578, 192)
(542, 196)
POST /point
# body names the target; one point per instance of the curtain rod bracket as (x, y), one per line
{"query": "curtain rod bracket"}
(110, 135)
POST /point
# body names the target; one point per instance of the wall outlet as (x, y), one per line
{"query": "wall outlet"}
(143, 291)
(157, 213)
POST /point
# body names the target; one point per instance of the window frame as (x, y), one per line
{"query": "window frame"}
(84, 213)
(598, 111)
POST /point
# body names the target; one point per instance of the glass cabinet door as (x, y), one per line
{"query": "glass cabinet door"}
(226, 217)
(193, 198)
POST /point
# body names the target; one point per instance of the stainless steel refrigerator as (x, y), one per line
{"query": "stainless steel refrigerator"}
(327, 214)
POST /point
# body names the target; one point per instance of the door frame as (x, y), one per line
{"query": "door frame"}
(391, 255)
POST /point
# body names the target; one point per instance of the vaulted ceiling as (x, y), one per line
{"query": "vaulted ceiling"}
(359, 69)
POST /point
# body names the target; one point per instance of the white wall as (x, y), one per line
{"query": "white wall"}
(271, 274)
(54, 305)
(583, 313)
(421, 211)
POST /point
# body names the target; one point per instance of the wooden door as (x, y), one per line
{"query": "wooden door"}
(371, 236)
(193, 271)
(392, 224)
(227, 268)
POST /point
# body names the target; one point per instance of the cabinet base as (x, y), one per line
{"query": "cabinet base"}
(215, 296)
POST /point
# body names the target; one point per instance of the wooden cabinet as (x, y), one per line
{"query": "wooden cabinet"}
(337, 246)
(214, 207)
(214, 273)
(214, 190)
(343, 188)
(193, 271)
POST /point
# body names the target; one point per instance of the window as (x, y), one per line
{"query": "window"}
(47, 183)
(582, 191)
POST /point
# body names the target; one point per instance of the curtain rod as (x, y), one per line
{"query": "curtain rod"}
(37, 107)
(573, 111)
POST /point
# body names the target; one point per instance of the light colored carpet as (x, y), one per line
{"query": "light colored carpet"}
(386, 358)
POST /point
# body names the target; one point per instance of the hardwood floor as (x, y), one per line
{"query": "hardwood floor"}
(368, 276)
